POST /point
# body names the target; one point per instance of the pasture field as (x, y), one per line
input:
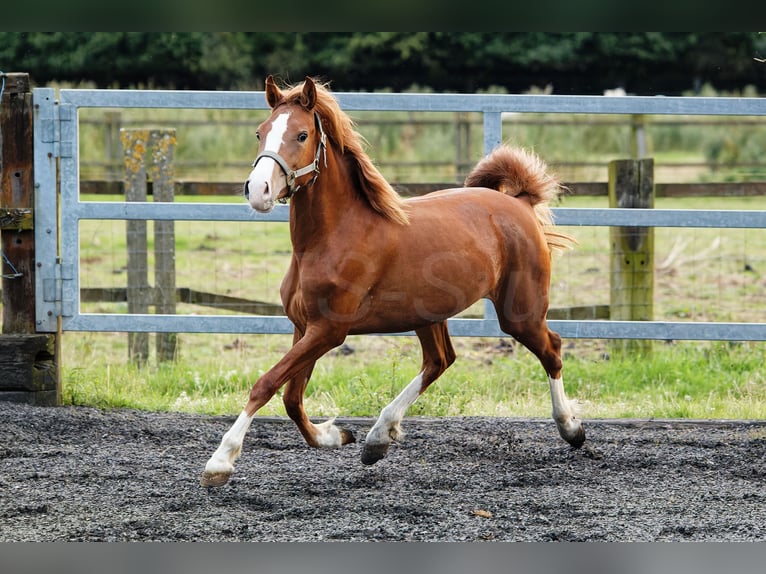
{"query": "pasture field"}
(701, 275)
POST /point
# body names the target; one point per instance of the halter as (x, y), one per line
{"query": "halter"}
(293, 174)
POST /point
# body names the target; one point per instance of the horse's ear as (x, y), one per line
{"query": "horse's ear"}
(309, 94)
(273, 93)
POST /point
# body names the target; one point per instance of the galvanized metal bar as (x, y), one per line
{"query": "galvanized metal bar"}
(493, 137)
(493, 130)
(158, 323)
(593, 217)
(70, 229)
(612, 216)
(351, 101)
(177, 211)
(658, 330)
(46, 216)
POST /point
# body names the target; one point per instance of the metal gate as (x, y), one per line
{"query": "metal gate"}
(58, 209)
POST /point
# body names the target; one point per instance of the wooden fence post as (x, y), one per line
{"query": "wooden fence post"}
(157, 145)
(134, 145)
(631, 185)
(112, 147)
(28, 361)
(162, 144)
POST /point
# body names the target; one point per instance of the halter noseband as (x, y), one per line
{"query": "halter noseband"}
(291, 175)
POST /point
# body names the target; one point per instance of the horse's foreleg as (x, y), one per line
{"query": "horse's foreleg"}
(323, 435)
(220, 466)
(299, 359)
(438, 354)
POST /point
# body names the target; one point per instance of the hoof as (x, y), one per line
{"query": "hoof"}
(372, 453)
(578, 439)
(214, 479)
(346, 436)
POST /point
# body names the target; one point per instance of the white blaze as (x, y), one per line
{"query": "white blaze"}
(261, 183)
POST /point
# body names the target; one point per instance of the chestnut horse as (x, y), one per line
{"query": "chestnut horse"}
(366, 261)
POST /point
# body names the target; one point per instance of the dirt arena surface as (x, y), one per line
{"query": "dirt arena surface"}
(81, 474)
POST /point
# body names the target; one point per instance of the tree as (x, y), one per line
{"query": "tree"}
(572, 62)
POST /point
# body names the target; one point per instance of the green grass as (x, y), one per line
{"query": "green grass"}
(684, 379)
(680, 380)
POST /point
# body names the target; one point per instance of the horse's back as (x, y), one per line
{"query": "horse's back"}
(476, 210)
(460, 245)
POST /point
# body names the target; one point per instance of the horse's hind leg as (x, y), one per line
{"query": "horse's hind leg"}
(563, 412)
(438, 354)
(546, 345)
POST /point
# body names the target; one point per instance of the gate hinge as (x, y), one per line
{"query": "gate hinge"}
(54, 289)
(58, 129)
(50, 128)
(67, 126)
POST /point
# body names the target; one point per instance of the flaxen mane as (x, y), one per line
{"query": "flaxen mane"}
(521, 173)
(340, 130)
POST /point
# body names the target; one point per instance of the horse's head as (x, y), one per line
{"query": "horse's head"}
(290, 144)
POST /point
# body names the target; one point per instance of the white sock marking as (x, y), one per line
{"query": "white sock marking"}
(387, 426)
(559, 399)
(563, 409)
(231, 445)
(328, 435)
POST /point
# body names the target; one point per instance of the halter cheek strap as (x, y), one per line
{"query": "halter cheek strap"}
(292, 175)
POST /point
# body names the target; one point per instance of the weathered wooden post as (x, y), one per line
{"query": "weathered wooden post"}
(134, 145)
(157, 145)
(162, 144)
(112, 147)
(631, 185)
(29, 369)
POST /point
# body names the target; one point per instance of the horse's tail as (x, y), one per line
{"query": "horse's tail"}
(521, 173)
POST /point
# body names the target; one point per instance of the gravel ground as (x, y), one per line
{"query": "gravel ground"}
(81, 474)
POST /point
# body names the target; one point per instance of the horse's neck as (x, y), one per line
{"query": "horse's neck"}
(319, 210)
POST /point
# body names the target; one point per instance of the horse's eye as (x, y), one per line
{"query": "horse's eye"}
(257, 136)
(302, 137)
